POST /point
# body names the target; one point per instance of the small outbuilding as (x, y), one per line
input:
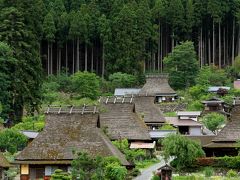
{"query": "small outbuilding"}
(165, 172)
(213, 105)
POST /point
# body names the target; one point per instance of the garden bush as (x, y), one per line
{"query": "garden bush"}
(208, 171)
(12, 140)
(231, 173)
(225, 162)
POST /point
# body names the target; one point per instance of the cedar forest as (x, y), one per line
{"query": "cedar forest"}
(45, 37)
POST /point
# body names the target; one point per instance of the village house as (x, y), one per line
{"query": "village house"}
(194, 115)
(185, 126)
(67, 129)
(225, 143)
(213, 105)
(120, 121)
(4, 165)
(157, 86)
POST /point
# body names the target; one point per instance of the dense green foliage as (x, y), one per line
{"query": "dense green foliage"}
(86, 167)
(34, 123)
(12, 140)
(221, 162)
(184, 150)
(60, 175)
(20, 28)
(132, 155)
(7, 66)
(213, 121)
(86, 84)
(182, 65)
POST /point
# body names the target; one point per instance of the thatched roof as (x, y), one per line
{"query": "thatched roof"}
(203, 139)
(3, 161)
(144, 105)
(157, 85)
(231, 132)
(120, 121)
(64, 133)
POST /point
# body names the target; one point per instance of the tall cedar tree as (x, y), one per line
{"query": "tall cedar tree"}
(20, 30)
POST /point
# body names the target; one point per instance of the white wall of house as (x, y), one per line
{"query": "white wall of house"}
(195, 131)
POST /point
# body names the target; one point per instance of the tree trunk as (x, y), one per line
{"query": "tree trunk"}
(86, 57)
(238, 40)
(172, 41)
(161, 51)
(224, 46)
(92, 59)
(77, 65)
(103, 61)
(213, 44)
(209, 49)
(48, 60)
(60, 59)
(51, 64)
(233, 44)
(159, 45)
(73, 60)
(219, 46)
(66, 58)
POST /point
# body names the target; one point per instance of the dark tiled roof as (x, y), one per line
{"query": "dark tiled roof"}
(145, 105)
(156, 85)
(64, 133)
(3, 161)
(231, 132)
(121, 122)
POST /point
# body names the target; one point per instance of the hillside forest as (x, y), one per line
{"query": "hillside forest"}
(41, 38)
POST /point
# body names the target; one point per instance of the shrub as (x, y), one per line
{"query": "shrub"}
(155, 177)
(232, 173)
(86, 84)
(195, 106)
(12, 140)
(167, 127)
(208, 171)
(122, 80)
(60, 175)
(30, 123)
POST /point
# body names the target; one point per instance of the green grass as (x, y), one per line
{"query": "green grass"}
(170, 114)
(146, 163)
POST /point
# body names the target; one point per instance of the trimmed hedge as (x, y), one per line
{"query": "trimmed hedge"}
(224, 162)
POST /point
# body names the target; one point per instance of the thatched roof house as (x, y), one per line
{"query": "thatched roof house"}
(225, 142)
(151, 114)
(157, 86)
(120, 121)
(63, 134)
(4, 164)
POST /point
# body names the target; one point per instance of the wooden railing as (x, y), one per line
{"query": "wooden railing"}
(58, 109)
(116, 99)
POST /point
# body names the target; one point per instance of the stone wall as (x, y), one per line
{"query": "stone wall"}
(172, 107)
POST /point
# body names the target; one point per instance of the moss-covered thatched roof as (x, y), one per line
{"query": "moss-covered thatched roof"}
(157, 85)
(3, 161)
(120, 121)
(144, 105)
(64, 133)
